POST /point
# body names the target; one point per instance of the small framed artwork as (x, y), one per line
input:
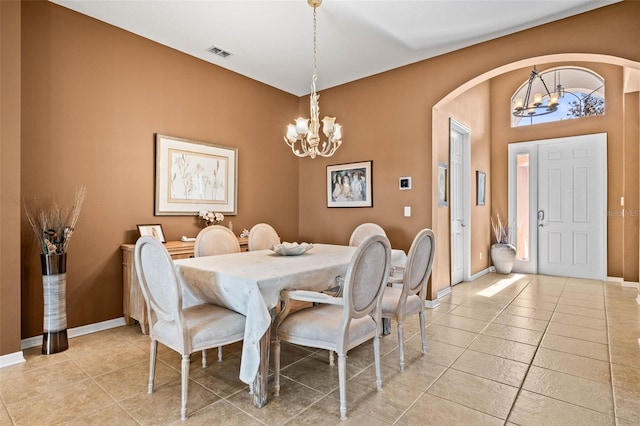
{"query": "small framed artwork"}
(405, 183)
(442, 185)
(154, 230)
(481, 179)
(192, 176)
(350, 185)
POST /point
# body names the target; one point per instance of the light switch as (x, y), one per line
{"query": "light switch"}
(407, 211)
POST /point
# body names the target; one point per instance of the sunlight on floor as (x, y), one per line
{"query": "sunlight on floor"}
(496, 288)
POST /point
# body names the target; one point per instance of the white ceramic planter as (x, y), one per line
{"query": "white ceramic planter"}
(503, 256)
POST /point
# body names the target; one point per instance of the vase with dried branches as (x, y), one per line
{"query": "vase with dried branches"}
(503, 254)
(53, 227)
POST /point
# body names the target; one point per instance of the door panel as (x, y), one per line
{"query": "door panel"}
(571, 196)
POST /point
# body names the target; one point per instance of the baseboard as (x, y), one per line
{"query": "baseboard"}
(430, 304)
(638, 300)
(11, 359)
(615, 279)
(481, 273)
(444, 292)
(629, 284)
(32, 342)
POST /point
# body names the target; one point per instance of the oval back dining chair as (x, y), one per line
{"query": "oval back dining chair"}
(262, 236)
(215, 239)
(185, 330)
(399, 303)
(363, 230)
(340, 323)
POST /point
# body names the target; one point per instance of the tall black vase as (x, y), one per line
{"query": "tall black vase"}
(54, 285)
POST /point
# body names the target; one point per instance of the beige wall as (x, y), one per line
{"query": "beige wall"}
(93, 96)
(472, 110)
(9, 177)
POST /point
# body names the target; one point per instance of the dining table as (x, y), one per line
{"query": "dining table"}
(250, 284)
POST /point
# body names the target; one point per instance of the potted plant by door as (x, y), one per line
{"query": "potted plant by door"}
(503, 254)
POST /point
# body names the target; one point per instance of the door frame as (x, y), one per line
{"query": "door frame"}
(455, 125)
(531, 147)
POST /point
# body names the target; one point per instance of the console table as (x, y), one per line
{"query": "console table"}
(133, 306)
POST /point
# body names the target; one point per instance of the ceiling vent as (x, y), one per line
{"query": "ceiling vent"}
(217, 51)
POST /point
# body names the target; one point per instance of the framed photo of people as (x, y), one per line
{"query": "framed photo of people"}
(350, 185)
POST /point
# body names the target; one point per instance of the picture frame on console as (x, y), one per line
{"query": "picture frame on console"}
(154, 230)
(191, 176)
(350, 185)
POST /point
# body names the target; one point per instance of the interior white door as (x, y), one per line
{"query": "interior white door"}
(571, 207)
(459, 201)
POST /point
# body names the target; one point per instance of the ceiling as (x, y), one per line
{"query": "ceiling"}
(271, 41)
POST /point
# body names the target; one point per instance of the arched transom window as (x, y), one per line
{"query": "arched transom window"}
(557, 94)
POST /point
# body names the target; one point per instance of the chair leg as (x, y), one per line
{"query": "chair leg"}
(342, 367)
(276, 366)
(423, 332)
(401, 344)
(185, 387)
(376, 361)
(152, 363)
(204, 358)
(219, 353)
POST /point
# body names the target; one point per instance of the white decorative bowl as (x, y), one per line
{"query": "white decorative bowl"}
(291, 249)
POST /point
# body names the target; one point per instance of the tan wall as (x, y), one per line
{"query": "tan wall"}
(471, 109)
(631, 194)
(93, 96)
(388, 118)
(10, 177)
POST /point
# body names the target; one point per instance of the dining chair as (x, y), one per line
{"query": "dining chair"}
(185, 330)
(215, 239)
(340, 323)
(400, 302)
(262, 236)
(363, 230)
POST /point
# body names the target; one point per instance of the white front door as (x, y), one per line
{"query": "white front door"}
(557, 201)
(571, 207)
(459, 201)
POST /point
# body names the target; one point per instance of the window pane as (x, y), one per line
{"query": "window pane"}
(522, 208)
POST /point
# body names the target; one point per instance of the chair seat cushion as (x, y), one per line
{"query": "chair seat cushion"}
(229, 328)
(390, 300)
(319, 327)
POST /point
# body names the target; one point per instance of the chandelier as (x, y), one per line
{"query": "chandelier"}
(534, 107)
(304, 136)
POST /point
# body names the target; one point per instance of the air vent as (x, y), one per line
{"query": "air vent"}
(217, 51)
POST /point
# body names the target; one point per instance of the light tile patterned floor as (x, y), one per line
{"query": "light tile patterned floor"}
(525, 350)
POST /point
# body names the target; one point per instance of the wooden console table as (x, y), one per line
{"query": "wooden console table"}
(133, 306)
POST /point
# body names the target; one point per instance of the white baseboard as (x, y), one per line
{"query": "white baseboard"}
(444, 292)
(615, 279)
(431, 304)
(481, 273)
(638, 300)
(630, 284)
(32, 342)
(11, 359)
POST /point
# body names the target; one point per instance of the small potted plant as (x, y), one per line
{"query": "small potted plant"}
(503, 254)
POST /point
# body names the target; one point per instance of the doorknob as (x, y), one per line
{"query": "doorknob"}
(540, 214)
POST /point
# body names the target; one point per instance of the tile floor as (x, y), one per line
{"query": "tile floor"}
(526, 350)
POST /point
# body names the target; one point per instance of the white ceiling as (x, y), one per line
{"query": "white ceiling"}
(271, 41)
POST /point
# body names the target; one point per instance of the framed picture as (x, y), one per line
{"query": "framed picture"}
(350, 185)
(192, 176)
(155, 230)
(442, 185)
(404, 183)
(481, 179)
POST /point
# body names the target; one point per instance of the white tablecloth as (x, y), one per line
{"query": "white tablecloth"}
(250, 283)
